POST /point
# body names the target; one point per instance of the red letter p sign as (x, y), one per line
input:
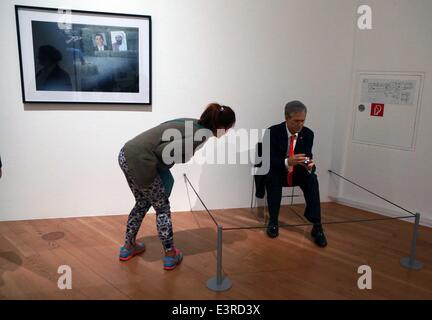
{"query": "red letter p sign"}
(377, 110)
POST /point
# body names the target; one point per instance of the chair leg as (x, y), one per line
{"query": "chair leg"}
(255, 203)
(260, 212)
(253, 189)
(292, 195)
(266, 212)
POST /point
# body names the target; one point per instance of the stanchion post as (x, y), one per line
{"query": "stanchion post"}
(219, 282)
(411, 262)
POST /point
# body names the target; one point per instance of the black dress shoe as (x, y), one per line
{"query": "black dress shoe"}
(272, 230)
(319, 236)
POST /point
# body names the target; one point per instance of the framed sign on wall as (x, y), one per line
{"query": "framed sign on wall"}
(387, 109)
(71, 56)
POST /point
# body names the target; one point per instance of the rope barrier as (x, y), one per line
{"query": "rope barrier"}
(211, 216)
(323, 223)
(305, 224)
(357, 185)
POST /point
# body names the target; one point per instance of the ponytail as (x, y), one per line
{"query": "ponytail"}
(217, 116)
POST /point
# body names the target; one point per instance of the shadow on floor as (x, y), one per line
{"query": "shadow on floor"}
(9, 261)
(191, 242)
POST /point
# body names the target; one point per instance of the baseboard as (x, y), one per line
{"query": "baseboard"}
(424, 221)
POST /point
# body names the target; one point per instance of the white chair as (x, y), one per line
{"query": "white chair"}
(260, 205)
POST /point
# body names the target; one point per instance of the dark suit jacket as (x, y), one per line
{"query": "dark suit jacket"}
(278, 151)
(105, 48)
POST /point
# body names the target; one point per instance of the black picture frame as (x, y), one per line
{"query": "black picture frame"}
(77, 57)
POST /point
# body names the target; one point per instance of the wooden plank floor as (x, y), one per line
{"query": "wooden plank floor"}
(288, 267)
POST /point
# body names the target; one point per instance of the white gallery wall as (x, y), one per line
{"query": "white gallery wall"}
(400, 41)
(61, 160)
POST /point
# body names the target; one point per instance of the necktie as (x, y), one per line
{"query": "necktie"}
(291, 154)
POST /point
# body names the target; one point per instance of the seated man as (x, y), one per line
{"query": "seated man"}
(291, 164)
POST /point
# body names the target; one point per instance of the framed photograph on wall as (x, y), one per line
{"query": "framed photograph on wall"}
(72, 56)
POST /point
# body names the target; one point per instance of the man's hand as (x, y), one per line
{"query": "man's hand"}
(297, 159)
(310, 165)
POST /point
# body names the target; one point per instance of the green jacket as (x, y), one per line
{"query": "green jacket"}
(144, 153)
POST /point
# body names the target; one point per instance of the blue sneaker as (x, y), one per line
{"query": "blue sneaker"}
(170, 263)
(126, 255)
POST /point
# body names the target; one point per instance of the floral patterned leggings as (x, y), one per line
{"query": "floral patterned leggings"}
(154, 196)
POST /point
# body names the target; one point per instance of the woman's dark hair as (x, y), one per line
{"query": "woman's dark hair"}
(217, 116)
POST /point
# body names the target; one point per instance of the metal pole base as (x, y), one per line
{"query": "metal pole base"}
(213, 285)
(411, 264)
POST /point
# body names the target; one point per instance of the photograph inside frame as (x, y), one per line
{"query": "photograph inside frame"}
(84, 57)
